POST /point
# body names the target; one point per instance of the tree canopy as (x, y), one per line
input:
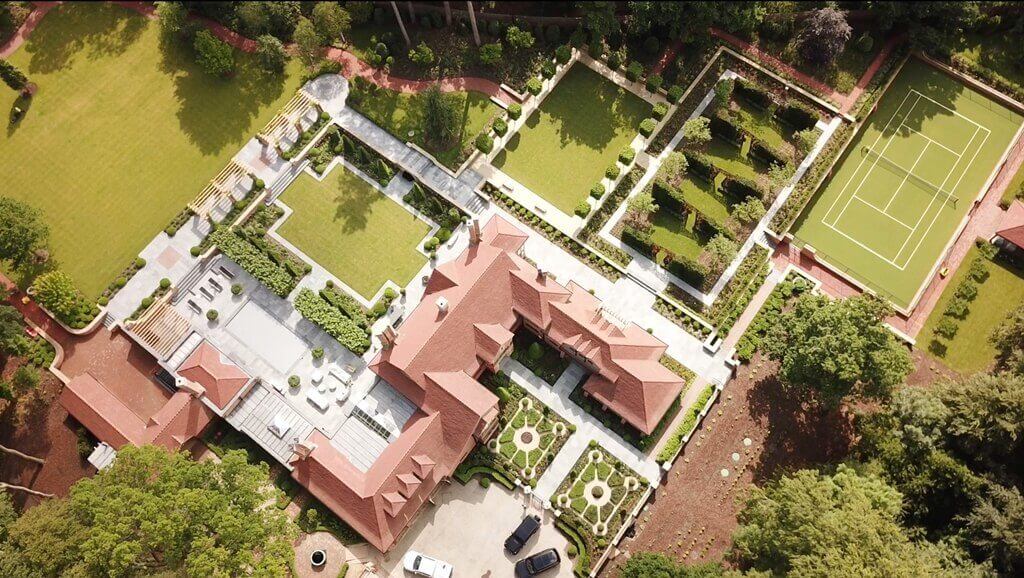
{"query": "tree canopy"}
(824, 36)
(1008, 339)
(844, 523)
(154, 511)
(22, 231)
(440, 115)
(838, 348)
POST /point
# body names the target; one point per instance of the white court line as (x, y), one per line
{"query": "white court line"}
(959, 155)
(905, 177)
(988, 133)
(881, 212)
(862, 245)
(859, 165)
(937, 103)
(925, 181)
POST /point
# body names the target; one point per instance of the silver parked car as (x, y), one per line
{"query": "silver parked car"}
(426, 566)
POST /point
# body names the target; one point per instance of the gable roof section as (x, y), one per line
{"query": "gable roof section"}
(101, 412)
(218, 375)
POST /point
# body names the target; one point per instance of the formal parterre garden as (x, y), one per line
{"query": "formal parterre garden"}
(531, 434)
(710, 194)
(597, 497)
(122, 132)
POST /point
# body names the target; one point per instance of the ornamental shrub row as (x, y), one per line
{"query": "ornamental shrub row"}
(255, 262)
(331, 320)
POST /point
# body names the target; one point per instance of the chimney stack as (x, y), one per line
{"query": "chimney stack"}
(302, 450)
(474, 232)
(442, 305)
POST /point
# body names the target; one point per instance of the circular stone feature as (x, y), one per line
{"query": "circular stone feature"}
(527, 439)
(725, 473)
(747, 442)
(735, 457)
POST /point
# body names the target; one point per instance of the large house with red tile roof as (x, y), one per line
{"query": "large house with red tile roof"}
(462, 327)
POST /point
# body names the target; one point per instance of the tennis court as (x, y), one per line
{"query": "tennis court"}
(906, 182)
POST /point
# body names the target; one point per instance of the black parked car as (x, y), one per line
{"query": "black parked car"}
(538, 563)
(528, 527)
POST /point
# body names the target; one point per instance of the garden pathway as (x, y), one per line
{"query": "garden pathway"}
(458, 190)
(353, 66)
(26, 28)
(588, 428)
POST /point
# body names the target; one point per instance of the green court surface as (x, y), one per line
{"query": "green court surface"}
(896, 198)
(124, 131)
(565, 146)
(353, 230)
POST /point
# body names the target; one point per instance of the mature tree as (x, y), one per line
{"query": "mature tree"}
(307, 43)
(598, 19)
(748, 211)
(838, 348)
(840, 524)
(905, 443)
(673, 168)
(331, 21)
(928, 24)
(472, 23)
(985, 423)
(440, 115)
(995, 527)
(360, 12)
(690, 20)
(824, 36)
(155, 511)
(518, 39)
(172, 16)
(639, 209)
(213, 55)
(697, 131)
(657, 565)
(22, 231)
(270, 53)
(1008, 339)
(719, 252)
(253, 17)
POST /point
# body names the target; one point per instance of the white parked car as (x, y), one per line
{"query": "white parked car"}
(426, 566)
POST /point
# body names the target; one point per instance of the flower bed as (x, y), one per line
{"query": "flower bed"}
(675, 442)
(740, 289)
(434, 205)
(539, 357)
(338, 142)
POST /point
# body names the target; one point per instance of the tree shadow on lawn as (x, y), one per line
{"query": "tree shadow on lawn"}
(218, 112)
(592, 116)
(99, 30)
(353, 204)
(800, 434)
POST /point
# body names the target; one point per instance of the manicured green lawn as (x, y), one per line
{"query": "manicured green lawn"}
(1016, 187)
(122, 133)
(399, 113)
(728, 157)
(578, 132)
(672, 233)
(761, 124)
(969, 350)
(353, 230)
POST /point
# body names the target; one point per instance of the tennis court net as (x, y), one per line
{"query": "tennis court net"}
(881, 160)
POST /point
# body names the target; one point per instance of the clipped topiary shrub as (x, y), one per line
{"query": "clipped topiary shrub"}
(674, 93)
(647, 127)
(515, 110)
(582, 209)
(534, 86)
(484, 143)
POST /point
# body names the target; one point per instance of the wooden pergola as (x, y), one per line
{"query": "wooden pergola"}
(161, 327)
(220, 186)
(289, 116)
